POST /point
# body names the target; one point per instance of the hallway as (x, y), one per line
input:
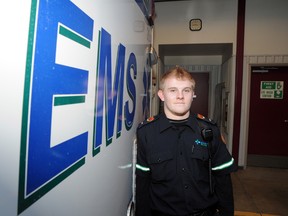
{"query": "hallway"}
(261, 191)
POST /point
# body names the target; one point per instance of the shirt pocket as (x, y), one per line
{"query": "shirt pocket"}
(199, 163)
(162, 165)
(200, 152)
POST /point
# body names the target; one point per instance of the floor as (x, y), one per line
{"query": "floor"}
(261, 191)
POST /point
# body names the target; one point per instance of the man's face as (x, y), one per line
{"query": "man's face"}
(177, 96)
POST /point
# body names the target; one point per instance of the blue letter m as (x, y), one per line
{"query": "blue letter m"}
(105, 90)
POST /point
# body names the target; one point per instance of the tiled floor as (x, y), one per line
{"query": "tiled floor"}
(260, 191)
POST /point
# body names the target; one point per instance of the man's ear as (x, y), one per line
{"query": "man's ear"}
(161, 95)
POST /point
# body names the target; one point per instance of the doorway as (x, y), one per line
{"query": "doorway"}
(200, 101)
(268, 123)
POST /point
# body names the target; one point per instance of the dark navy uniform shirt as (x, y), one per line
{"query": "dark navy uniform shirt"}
(172, 174)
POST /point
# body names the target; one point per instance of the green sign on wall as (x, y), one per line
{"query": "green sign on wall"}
(271, 89)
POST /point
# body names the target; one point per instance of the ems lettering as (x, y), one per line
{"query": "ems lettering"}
(50, 86)
(109, 96)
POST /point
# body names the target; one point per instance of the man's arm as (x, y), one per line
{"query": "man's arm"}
(142, 180)
(142, 196)
(224, 192)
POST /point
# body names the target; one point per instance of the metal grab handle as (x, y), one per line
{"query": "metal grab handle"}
(130, 210)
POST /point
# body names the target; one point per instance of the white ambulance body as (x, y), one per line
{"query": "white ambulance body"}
(75, 84)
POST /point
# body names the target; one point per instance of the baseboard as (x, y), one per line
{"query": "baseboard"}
(267, 161)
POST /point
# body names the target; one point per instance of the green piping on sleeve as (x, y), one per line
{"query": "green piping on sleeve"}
(145, 169)
(223, 166)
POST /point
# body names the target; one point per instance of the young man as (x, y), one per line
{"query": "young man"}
(183, 166)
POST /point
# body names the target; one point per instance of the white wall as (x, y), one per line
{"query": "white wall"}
(266, 27)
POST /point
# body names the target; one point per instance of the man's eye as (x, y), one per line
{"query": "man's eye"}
(187, 90)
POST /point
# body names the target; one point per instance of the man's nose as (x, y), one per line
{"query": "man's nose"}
(180, 95)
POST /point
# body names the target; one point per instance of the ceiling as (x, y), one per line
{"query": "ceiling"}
(222, 49)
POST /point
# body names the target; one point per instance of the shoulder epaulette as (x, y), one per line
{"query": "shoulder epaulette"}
(148, 120)
(208, 120)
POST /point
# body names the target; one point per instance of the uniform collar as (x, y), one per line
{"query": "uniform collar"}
(165, 124)
(192, 122)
